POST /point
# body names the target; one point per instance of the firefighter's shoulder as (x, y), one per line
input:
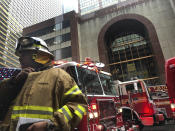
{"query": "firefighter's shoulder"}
(59, 73)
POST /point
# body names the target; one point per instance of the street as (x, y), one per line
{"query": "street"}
(167, 127)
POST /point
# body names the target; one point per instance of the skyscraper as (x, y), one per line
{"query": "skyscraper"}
(10, 29)
(30, 12)
(17, 14)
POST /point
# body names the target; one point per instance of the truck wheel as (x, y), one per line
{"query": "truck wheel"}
(163, 122)
(141, 126)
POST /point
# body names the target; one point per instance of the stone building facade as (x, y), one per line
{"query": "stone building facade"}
(133, 40)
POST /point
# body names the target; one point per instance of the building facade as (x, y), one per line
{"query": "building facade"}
(17, 14)
(60, 34)
(133, 39)
(10, 29)
(88, 6)
(29, 12)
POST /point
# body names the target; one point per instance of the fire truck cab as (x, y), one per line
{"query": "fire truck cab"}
(160, 97)
(137, 105)
(101, 95)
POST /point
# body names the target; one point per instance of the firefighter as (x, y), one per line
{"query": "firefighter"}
(41, 97)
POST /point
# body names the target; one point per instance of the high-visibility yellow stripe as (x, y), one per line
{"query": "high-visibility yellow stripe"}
(41, 108)
(77, 92)
(41, 112)
(82, 108)
(64, 115)
(80, 111)
(14, 116)
(67, 113)
(73, 91)
(79, 114)
(69, 91)
(32, 112)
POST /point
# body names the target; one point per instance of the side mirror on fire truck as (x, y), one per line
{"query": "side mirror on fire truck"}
(135, 87)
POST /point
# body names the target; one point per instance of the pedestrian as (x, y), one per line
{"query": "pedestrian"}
(41, 97)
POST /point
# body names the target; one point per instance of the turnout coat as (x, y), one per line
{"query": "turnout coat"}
(48, 95)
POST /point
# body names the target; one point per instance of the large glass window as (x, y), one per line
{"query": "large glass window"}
(130, 55)
(58, 39)
(63, 53)
(51, 29)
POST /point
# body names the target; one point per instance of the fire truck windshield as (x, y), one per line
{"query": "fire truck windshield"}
(95, 83)
(91, 81)
(107, 84)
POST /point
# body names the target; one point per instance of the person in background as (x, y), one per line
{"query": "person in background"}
(41, 97)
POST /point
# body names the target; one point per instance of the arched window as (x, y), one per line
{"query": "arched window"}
(130, 55)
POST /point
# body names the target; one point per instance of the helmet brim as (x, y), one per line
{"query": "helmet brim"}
(18, 53)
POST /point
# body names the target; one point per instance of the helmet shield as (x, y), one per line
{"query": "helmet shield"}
(32, 43)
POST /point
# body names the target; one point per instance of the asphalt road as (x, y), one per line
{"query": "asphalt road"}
(167, 127)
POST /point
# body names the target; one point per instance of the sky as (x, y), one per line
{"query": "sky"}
(70, 5)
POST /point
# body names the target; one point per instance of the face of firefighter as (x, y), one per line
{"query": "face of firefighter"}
(26, 59)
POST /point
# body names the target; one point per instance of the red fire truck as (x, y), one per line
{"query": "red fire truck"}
(170, 82)
(100, 92)
(137, 105)
(159, 95)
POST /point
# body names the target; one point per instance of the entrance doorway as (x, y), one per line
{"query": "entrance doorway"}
(130, 52)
